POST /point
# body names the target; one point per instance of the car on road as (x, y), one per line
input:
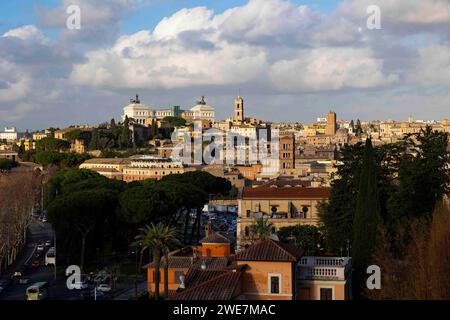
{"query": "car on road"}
(40, 248)
(24, 281)
(104, 287)
(48, 243)
(35, 264)
(16, 274)
(80, 285)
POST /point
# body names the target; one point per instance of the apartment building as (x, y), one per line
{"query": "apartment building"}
(283, 206)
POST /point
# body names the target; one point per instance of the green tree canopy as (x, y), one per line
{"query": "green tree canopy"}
(306, 237)
(175, 121)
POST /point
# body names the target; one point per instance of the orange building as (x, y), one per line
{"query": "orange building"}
(270, 272)
(266, 270)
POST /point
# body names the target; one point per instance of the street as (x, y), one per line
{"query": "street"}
(39, 232)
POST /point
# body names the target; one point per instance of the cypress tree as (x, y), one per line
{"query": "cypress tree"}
(367, 219)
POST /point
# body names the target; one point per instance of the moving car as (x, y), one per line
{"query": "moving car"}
(80, 285)
(48, 243)
(40, 248)
(104, 287)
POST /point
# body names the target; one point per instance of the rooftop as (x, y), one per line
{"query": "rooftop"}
(286, 193)
(222, 287)
(270, 250)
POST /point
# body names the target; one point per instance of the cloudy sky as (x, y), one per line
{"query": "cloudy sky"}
(292, 60)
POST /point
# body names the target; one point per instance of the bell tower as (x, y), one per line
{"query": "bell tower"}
(239, 110)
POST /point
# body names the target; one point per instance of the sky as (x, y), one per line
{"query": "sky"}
(291, 60)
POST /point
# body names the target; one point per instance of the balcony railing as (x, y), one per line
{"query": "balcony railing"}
(324, 268)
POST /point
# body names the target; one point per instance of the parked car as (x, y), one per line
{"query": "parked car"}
(104, 287)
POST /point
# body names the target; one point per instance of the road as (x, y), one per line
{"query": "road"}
(38, 233)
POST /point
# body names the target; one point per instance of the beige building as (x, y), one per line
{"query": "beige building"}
(324, 278)
(111, 168)
(284, 206)
(150, 167)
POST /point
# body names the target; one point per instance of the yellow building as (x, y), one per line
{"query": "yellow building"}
(284, 206)
(28, 144)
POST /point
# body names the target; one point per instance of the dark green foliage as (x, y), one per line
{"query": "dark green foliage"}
(78, 134)
(337, 214)
(306, 237)
(408, 185)
(423, 177)
(175, 121)
(7, 164)
(52, 144)
(366, 224)
(60, 159)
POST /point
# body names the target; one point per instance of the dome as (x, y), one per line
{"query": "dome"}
(202, 106)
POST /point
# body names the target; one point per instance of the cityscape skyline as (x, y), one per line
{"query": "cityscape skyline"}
(289, 59)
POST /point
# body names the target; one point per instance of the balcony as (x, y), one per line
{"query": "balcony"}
(324, 268)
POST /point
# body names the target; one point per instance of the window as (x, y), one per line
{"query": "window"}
(247, 231)
(326, 294)
(274, 282)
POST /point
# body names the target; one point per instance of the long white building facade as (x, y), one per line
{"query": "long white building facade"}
(140, 112)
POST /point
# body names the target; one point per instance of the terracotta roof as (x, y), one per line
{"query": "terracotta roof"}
(222, 287)
(286, 193)
(177, 262)
(197, 276)
(174, 262)
(270, 250)
(215, 237)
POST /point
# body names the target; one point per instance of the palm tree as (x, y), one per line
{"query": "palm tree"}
(261, 228)
(158, 239)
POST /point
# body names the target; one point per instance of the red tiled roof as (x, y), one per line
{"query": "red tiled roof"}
(215, 237)
(196, 276)
(222, 287)
(270, 250)
(286, 193)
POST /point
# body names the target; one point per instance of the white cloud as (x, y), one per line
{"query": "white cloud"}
(194, 47)
(432, 66)
(421, 12)
(15, 83)
(325, 69)
(27, 33)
